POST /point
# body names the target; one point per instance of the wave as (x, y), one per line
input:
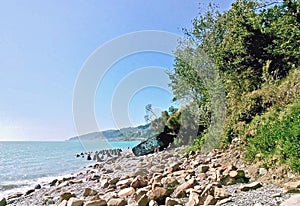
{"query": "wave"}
(12, 187)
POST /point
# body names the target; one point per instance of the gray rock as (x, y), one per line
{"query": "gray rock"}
(16, 195)
(37, 187)
(263, 171)
(29, 192)
(53, 182)
(250, 186)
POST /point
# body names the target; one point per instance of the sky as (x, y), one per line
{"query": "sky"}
(44, 46)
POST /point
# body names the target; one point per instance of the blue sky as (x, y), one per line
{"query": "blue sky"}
(44, 44)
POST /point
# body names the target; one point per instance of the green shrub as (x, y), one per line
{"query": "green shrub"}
(278, 135)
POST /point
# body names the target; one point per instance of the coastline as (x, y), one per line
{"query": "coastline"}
(24, 164)
(164, 178)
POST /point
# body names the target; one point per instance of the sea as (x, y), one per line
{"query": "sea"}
(23, 165)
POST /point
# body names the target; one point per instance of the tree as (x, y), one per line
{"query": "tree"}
(196, 85)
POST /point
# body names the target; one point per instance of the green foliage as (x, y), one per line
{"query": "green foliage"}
(278, 136)
(252, 44)
(197, 85)
(255, 48)
(189, 82)
(283, 22)
(159, 123)
(243, 39)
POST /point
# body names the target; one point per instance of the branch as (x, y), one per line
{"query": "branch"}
(269, 4)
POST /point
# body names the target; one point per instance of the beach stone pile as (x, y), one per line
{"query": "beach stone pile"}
(166, 178)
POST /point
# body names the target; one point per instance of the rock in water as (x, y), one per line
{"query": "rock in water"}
(53, 182)
(29, 192)
(37, 187)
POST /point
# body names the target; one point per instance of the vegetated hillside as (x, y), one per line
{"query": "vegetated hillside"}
(138, 133)
(255, 48)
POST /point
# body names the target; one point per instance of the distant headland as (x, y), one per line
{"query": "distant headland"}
(138, 133)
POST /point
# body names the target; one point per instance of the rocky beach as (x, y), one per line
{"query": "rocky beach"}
(170, 177)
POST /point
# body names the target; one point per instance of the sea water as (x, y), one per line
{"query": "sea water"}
(25, 164)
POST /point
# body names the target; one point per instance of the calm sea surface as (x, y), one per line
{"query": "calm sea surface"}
(25, 164)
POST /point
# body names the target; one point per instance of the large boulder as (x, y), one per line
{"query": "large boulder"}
(292, 201)
(3, 202)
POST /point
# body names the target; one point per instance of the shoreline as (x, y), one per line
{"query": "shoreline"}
(29, 184)
(162, 178)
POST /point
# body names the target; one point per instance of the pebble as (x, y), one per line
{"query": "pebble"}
(166, 178)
